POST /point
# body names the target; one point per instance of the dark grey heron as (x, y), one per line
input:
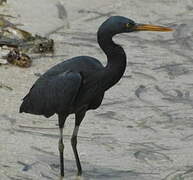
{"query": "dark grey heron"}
(78, 84)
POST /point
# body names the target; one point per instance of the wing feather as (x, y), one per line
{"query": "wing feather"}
(50, 95)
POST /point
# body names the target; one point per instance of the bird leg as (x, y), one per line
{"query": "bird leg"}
(78, 120)
(61, 120)
(61, 150)
(74, 143)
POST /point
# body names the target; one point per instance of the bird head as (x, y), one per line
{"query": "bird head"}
(119, 24)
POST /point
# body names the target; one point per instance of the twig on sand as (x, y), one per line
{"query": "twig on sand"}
(5, 86)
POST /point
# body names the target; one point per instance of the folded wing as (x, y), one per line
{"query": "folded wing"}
(50, 95)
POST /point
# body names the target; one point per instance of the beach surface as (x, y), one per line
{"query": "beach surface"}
(144, 128)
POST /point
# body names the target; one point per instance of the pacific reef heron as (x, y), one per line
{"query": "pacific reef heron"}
(77, 85)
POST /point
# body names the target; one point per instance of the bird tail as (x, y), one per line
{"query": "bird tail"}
(26, 105)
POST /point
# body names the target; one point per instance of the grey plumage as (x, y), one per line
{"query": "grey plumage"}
(57, 90)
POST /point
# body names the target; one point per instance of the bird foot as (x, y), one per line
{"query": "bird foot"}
(79, 173)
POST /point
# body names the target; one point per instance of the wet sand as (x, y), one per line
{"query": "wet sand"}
(144, 128)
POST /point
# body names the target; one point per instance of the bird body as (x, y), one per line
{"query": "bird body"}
(78, 84)
(61, 89)
(75, 84)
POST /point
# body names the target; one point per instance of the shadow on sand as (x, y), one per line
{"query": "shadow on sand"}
(91, 172)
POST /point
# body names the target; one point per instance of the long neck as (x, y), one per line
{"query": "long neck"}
(116, 59)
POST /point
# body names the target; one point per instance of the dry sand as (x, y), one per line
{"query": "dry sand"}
(144, 128)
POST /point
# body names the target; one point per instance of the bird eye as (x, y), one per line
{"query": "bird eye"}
(128, 25)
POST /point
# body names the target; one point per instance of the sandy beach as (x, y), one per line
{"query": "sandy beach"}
(144, 128)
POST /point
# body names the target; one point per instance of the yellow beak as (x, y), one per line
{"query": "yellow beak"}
(150, 27)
